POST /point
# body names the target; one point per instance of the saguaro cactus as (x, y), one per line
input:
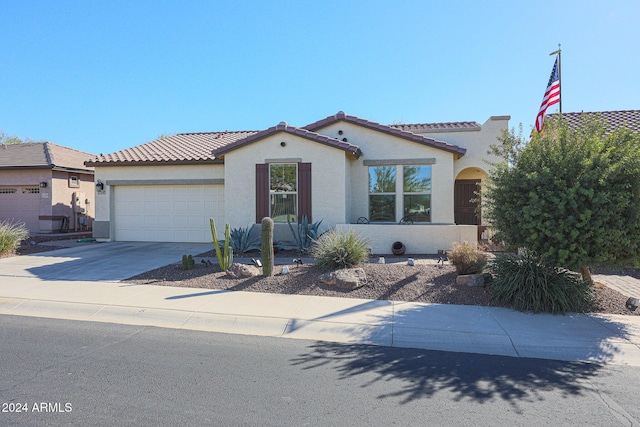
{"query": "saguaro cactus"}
(267, 247)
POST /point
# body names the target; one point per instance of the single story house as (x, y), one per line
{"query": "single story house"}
(414, 183)
(46, 186)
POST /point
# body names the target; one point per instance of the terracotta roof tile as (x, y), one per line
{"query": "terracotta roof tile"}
(42, 155)
(183, 148)
(392, 130)
(439, 127)
(627, 118)
(284, 127)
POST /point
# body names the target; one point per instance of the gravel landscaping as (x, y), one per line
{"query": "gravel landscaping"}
(424, 282)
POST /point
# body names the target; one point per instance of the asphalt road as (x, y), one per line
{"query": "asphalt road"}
(58, 372)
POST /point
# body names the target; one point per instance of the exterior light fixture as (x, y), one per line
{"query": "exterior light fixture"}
(43, 184)
(99, 185)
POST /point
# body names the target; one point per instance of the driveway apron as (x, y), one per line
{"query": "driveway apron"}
(107, 262)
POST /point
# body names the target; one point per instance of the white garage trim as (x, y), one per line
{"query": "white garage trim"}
(166, 213)
(164, 181)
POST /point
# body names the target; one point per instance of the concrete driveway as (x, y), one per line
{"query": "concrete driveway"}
(105, 262)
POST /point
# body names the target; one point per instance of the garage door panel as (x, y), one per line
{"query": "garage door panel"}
(170, 213)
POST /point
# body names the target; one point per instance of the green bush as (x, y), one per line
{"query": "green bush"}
(530, 284)
(11, 234)
(467, 258)
(339, 250)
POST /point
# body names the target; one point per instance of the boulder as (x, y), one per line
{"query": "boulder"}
(470, 279)
(345, 278)
(239, 271)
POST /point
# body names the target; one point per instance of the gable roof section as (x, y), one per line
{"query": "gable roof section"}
(183, 148)
(292, 130)
(390, 130)
(614, 119)
(42, 155)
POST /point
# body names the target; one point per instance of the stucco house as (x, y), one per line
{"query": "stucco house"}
(46, 186)
(349, 172)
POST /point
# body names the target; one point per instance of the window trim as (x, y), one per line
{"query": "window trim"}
(420, 193)
(383, 193)
(284, 193)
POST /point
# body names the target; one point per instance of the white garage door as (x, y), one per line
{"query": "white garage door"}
(167, 213)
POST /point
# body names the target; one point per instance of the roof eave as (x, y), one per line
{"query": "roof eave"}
(154, 162)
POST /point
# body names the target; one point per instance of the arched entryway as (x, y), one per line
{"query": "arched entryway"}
(467, 198)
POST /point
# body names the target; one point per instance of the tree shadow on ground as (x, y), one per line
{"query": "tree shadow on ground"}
(476, 377)
(473, 377)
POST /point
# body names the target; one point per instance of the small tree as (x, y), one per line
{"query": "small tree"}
(571, 195)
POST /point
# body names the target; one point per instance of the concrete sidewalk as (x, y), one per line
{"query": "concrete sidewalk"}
(486, 330)
(31, 286)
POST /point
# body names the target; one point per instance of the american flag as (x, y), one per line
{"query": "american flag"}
(551, 96)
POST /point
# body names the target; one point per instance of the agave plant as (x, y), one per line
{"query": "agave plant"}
(305, 234)
(241, 242)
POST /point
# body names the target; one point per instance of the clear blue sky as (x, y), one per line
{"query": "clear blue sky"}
(101, 76)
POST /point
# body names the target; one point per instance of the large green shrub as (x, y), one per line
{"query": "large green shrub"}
(11, 234)
(531, 284)
(570, 194)
(339, 250)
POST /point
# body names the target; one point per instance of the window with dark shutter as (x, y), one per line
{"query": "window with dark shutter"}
(304, 190)
(269, 192)
(262, 192)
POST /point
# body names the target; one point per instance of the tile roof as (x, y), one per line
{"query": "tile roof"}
(42, 155)
(391, 130)
(627, 118)
(206, 147)
(304, 133)
(183, 148)
(438, 127)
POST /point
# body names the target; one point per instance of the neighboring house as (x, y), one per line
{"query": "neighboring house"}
(342, 170)
(46, 186)
(614, 119)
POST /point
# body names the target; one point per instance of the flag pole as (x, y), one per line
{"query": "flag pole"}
(559, 53)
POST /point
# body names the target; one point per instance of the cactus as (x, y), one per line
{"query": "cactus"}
(188, 262)
(225, 259)
(267, 247)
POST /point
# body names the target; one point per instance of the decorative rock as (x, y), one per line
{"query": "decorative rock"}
(381, 260)
(470, 279)
(632, 303)
(346, 278)
(410, 261)
(239, 271)
(285, 270)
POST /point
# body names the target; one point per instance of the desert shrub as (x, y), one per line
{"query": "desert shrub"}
(530, 284)
(241, 242)
(339, 250)
(11, 234)
(467, 258)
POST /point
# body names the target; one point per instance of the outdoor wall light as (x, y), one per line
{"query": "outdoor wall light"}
(99, 185)
(43, 184)
(283, 144)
